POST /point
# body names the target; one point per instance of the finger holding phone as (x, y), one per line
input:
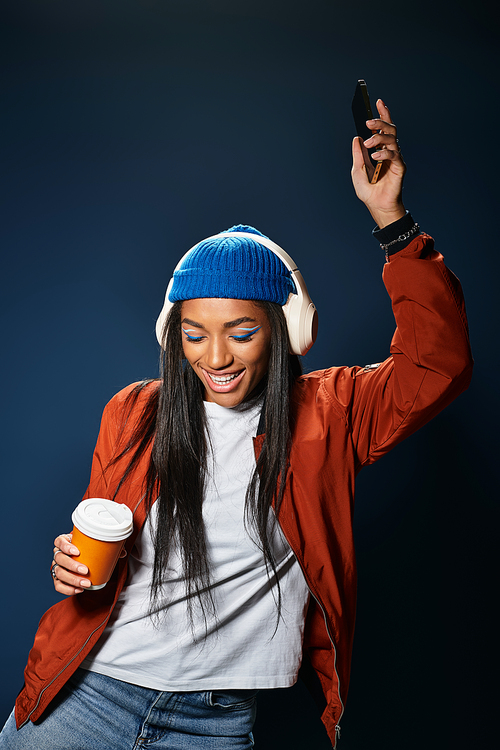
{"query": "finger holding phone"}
(383, 197)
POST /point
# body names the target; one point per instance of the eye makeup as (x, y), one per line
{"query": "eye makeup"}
(186, 331)
(248, 335)
(245, 337)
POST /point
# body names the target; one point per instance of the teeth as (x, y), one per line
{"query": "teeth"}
(222, 379)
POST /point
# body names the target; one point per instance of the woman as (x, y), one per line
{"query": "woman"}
(240, 473)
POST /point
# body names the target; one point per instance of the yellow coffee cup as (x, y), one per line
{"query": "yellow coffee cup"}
(100, 528)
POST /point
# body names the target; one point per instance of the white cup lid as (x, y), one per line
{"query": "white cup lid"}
(103, 519)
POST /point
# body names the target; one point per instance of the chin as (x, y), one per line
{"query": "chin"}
(225, 399)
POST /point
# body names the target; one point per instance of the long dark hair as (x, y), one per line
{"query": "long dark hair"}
(174, 420)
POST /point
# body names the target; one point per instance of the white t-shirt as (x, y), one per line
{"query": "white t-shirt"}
(244, 647)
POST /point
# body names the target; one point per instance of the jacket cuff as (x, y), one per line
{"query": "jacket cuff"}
(396, 236)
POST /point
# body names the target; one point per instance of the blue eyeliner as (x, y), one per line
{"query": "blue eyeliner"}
(191, 338)
(246, 336)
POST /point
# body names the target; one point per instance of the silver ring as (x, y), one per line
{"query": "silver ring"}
(53, 571)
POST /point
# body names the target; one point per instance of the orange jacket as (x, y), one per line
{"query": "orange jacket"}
(346, 418)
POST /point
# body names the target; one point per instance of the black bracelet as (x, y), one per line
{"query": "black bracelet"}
(395, 236)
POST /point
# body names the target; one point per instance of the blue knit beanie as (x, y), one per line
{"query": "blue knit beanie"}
(232, 268)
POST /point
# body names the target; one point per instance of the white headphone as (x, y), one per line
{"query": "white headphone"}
(300, 313)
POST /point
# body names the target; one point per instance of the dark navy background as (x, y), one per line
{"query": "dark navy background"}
(133, 129)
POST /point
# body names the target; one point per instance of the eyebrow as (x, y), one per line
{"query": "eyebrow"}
(229, 324)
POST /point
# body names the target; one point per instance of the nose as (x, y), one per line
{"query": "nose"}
(218, 355)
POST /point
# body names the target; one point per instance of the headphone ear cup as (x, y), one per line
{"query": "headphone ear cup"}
(302, 323)
(167, 306)
(301, 317)
(291, 311)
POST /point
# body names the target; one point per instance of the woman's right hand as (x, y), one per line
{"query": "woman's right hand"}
(66, 571)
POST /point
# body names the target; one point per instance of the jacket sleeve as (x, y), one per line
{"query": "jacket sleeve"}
(430, 362)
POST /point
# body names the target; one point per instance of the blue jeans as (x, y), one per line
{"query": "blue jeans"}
(94, 712)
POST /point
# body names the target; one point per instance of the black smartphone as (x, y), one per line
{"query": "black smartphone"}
(362, 111)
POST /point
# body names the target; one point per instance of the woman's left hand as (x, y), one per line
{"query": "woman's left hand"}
(384, 199)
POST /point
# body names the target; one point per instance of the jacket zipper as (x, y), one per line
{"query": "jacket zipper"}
(62, 670)
(337, 725)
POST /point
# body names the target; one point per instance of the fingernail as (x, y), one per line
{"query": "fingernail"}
(85, 583)
(367, 142)
(82, 569)
(74, 551)
(370, 122)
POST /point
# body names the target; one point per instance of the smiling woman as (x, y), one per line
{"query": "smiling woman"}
(240, 473)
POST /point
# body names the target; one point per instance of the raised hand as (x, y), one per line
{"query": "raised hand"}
(384, 199)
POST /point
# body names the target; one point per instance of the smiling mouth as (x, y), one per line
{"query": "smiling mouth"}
(223, 383)
(222, 379)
